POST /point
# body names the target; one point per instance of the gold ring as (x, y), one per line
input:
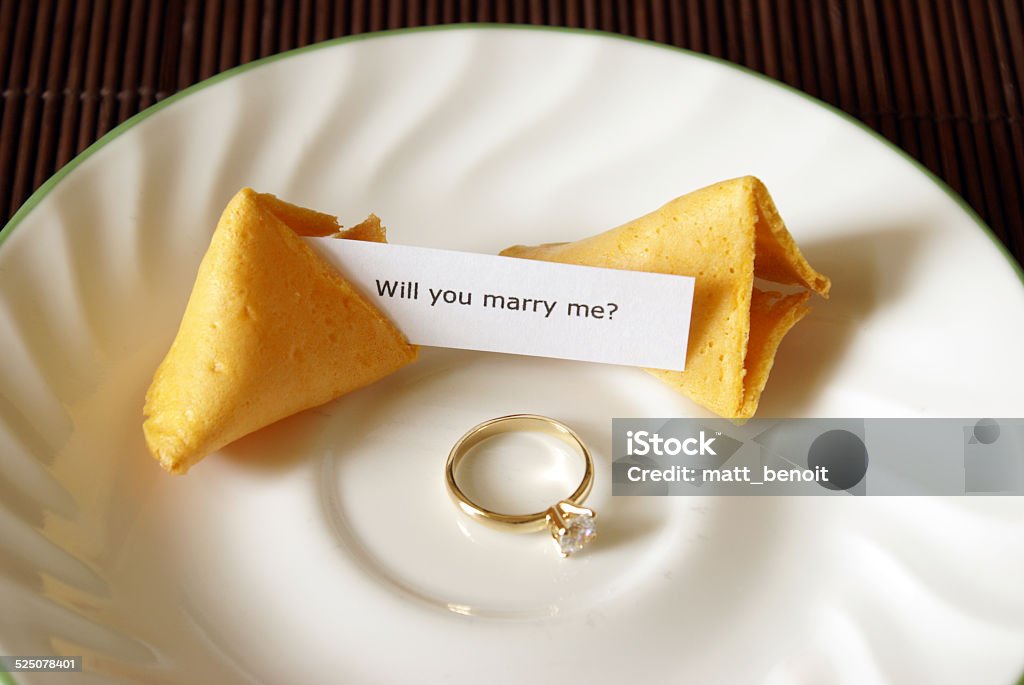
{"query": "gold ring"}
(570, 524)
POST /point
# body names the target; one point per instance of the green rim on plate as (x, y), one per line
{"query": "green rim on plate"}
(51, 183)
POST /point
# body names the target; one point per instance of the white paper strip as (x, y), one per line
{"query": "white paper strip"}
(464, 300)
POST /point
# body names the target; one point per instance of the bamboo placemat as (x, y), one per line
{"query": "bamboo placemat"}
(940, 78)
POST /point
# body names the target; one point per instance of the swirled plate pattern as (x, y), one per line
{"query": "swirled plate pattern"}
(323, 549)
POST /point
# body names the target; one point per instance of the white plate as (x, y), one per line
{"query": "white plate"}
(324, 549)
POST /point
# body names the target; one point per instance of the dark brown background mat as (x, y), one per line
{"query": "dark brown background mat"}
(942, 79)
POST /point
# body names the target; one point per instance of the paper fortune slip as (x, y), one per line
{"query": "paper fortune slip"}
(444, 298)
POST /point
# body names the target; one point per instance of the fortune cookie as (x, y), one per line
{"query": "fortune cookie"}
(269, 330)
(723, 235)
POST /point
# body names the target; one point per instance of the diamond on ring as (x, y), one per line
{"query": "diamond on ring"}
(571, 527)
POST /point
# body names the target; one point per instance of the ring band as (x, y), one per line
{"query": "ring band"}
(570, 524)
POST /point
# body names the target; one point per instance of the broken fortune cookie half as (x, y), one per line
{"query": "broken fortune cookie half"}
(270, 329)
(723, 235)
